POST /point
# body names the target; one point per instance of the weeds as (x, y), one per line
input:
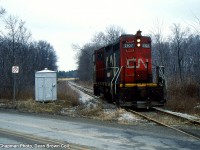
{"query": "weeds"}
(111, 115)
(183, 98)
(39, 107)
(87, 84)
(68, 94)
(66, 98)
(89, 112)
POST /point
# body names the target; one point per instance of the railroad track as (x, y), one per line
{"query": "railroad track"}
(89, 92)
(176, 124)
(194, 120)
(84, 89)
(158, 116)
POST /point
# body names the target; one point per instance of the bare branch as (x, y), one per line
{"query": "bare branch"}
(2, 11)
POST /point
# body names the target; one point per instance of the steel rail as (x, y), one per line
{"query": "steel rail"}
(43, 140)
(169, 113)
(83, 90)
(162, 124)
(150, 119)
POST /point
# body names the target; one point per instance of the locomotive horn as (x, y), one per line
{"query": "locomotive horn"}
(139, 33)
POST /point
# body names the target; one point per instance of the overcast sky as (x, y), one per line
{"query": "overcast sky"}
(66, 22)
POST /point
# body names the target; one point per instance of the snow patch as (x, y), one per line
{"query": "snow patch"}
(187, 116)
(68, 111)
(197, 107)
(110, 111)
(84, 98)
(129, 117)
(2, 104)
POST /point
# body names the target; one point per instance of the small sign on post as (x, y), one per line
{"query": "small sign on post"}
(15, 69)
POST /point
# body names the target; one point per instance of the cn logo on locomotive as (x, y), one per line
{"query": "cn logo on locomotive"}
(140, 61)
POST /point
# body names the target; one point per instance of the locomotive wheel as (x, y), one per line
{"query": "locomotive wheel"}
(96, 91)
(117, 103)
(108, 97)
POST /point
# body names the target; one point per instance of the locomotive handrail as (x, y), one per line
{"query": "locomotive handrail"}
(117, 78)
(113, 77)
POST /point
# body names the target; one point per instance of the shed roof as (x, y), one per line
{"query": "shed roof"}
(45, 71)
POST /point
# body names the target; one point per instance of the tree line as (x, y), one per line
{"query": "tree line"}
(67, 74)
(179, 53)
(18, 49)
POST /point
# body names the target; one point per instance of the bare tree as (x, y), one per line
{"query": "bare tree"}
(46, 56)
(16, 49)
(112, 33)
(195, 25)
(158, 42)
(85, 53)
(99, 39)
(178, 40)
(85, 64)
(160, 49)
(2, 11)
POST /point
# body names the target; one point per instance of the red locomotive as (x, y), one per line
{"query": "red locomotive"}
(123, 73)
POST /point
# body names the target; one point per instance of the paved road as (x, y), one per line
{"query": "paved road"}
(93, 134)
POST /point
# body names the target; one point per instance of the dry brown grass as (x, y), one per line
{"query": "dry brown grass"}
(84, 111)
(38, 107)
(99, 113)
(52, 107)
(26, 93)
(26, 103)
(88, 84)
(183, 98)
(112, 115)
(67, 93)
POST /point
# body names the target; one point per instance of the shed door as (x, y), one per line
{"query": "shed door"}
(48, 88)
(40, 88)
(45, 89)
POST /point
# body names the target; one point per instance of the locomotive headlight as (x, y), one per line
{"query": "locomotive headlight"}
(138, 40)
(138, 44)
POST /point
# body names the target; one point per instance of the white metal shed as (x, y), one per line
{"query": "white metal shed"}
(45, 85)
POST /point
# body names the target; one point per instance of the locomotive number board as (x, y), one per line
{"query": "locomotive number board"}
(146, 45)
(128, 45)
